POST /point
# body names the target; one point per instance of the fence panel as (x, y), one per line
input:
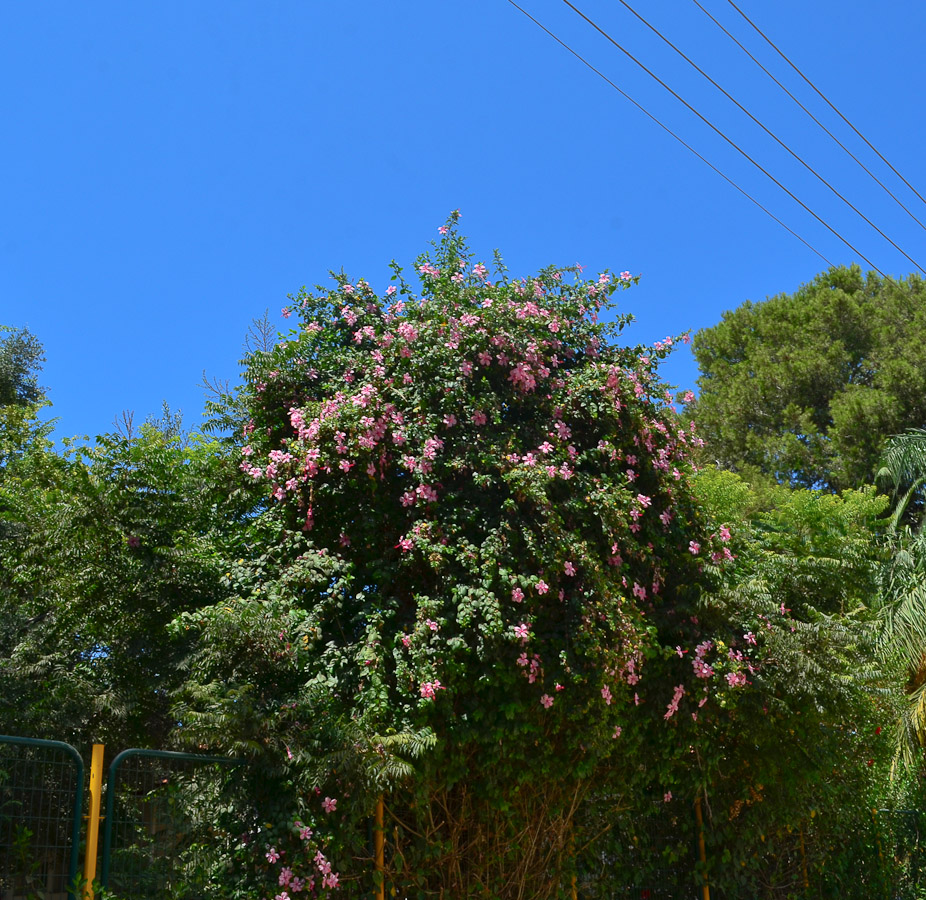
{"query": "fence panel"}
(645, 856)
(165, 835)
(41, 797)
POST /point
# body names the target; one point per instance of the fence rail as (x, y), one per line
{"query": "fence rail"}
(41, 798)
(161, 826)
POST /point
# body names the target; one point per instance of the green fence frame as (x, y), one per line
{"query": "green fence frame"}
(111, 791)
(77, 807)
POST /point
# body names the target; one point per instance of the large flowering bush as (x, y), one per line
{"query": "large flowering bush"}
(498, 496)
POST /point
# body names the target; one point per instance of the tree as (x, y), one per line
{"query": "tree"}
(903, 589)
(21, 357)
(794, 771)
(104, 545)
(806, 387)
(483, 541)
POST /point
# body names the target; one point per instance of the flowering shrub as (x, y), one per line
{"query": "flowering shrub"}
(500, 495)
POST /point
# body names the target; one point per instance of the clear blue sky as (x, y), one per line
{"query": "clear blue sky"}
(171, 169)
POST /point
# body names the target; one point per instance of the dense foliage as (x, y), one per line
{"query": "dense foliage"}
(103, 547)
(501, 548)
(451, 555)
(807, 387)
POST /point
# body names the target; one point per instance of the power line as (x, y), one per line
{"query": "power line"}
(768, 131)
(669, 131)
(729, 140)
(812, 116)
(826, 99)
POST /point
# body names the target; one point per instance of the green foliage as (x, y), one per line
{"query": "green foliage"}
(903, 589)
(792, 775)
(481, 535)
(806, 387)
(104, 546)
(21, 357)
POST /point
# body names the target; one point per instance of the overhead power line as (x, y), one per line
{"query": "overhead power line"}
(768, 40)
(729, 140)
(669, 131)
(767, 130)
(812, 116)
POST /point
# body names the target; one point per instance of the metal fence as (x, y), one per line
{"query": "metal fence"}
(174, 822)
(41, 798)
(165, 831)
(646, 855)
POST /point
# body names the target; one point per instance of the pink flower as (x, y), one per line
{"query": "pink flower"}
(672, 708)
(286, 876)
(517, 595)
(390, 290)
(667, 796)
(330, 880)
(569, 568)
(694, 548)
(272, 855)
(305, 833)
(617, 732)
(688, 397)
(329, 805)
(547, 701)
(479, 270)
(736, 679)
(429, 689)
(626, 276)
(479, 418)
(442, 230)
(724, 533)
(541, 586)
(701, 668)
(522, 632)
(431, 624)
(606, 695)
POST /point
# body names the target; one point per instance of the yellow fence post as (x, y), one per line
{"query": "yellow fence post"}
(379, 851)
(804, 859)
(574, 892)
(93, 819)
(705, 888)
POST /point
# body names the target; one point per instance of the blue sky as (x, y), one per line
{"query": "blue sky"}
(172, 170)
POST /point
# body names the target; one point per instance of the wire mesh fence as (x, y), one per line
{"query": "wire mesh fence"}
(170, 825)
(41, 796)
(646, 855)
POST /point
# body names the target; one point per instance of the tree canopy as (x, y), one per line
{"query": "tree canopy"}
(490, 537)
(451, 551)
(807, 387)
(21, 357)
